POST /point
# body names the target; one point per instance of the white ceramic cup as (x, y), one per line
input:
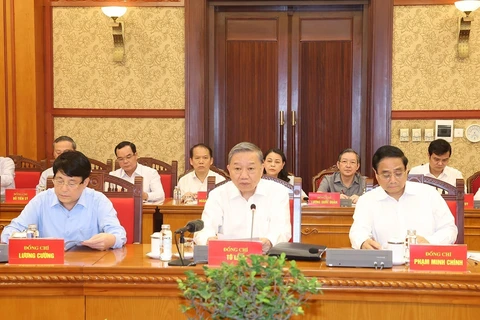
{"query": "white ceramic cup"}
(156, 243)
(398, 251)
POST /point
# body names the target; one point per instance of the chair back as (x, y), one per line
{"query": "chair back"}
(98, 165)
(168, 172)
(27, 172)
(126, 198)
(317, 179)
(473, 183)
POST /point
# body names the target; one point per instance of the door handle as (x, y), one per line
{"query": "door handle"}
(294, 120)
(282, 118)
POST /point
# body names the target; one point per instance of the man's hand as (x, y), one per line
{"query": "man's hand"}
(354, 198)
(266, 245)
(343, 196)
(371, 244)
(101, 241)
(144, 196)
(421, 240)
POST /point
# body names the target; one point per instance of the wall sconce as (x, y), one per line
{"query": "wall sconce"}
(117, 31)
(467, 6)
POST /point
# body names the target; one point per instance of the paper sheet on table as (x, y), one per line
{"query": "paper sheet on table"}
(474, 255)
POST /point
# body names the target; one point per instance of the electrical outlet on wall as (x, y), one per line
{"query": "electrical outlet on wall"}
(416, 135)
(404, 136)
(458, 133)
(429, 135)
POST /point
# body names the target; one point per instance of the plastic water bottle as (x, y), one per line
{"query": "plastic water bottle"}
(177, 195)
(411, 239)
(166, 243)
(32, 231)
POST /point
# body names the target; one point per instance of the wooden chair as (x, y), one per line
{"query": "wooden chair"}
(167, 172)
(473, 183)
(27, 172)
(317, 179)
(295, 202)
(126, 198)
(454, 197)
(101, 166)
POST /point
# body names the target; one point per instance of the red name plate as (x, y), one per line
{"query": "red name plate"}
(19, 195)
(201, 198)
(468, 200)
(228, 250)
(324, 199)
(438, 257)
(36, 251)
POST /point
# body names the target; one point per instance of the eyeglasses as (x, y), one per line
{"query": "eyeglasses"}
(388, 175)
(352, 163)
(127, 158)
(69, 184)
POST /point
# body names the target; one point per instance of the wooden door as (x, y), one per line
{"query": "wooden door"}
(273, 64)
(250, 80)
(328, 111)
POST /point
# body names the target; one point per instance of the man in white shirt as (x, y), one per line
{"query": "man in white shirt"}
(60, 145)
(200, 159)
(7, 174)
(228, 211)
(398, 205)
(439, 152)
(126, 153)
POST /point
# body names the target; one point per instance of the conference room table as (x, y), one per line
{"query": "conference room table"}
(126, 284)
(326, 226)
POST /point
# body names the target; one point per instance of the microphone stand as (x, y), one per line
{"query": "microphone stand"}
(180, 248)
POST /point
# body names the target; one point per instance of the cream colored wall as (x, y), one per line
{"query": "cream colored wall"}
(427, 75)
(151, 76)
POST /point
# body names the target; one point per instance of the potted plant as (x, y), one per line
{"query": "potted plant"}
(258, 287)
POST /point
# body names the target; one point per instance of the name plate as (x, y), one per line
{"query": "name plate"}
(19, 195)
(438, 257)
(228, 250)
(324, 199)
(36, 251)
(468, 200)
(201, 197)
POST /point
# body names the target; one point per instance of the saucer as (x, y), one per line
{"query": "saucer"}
(186, 255)
(153, 255)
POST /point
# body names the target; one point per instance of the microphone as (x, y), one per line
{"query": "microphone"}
(253, 207)
(192, 226)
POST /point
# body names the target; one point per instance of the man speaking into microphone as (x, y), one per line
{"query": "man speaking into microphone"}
(248, 206)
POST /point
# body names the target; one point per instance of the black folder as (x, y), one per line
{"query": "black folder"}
(298, 251)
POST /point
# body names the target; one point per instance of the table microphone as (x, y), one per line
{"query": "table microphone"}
(253, 207)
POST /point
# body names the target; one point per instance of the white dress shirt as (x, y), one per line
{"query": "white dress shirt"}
(227, 212)
(152, 184)
(190, 182)
(7, 172)
(421, 208)
(449, 174)
(42, 183)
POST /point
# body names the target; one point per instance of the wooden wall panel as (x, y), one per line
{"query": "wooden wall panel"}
(21, 106)
(3, 77)
(28, 76)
